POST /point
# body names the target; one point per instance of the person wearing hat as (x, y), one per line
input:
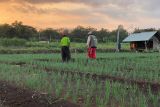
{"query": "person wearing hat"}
(92, 45)
(65, 44)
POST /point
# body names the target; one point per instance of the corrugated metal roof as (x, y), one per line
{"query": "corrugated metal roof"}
(144, 36)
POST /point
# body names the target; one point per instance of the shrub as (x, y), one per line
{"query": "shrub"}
(12, 42)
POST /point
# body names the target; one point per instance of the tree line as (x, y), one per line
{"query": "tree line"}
(78, 34)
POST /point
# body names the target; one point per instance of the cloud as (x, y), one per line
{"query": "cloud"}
(125, 10)
(1, 1)
(86, 2)
(94, 12)
(28, 8)
(70, 1)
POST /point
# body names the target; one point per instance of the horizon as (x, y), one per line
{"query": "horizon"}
(69, 14)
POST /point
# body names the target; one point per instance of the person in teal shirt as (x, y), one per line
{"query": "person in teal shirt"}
(65, 44)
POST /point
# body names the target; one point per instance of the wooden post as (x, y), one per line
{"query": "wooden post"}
(146, 46)
(117, 49)
(118, 42)
(39, 35)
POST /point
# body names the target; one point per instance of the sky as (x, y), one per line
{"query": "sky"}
(106, 14)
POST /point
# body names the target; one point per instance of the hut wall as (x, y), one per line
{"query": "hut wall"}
(156, 43)
(140, 45)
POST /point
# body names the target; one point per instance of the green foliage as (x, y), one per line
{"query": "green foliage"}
(108, 90)
(18, 30)
(78, 34)
(137, 30)
(49, 34)
(12, 42)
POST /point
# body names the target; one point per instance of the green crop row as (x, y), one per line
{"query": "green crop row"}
(137, 67)
(81, 89)
(77, 88)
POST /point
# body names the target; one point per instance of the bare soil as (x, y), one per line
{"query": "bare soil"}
(13, 96)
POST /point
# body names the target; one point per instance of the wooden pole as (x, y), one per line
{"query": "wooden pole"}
(146, 46)
(118, 42)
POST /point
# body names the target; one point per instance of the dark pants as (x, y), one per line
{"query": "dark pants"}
(65, 52)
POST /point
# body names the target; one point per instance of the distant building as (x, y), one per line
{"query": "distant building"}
(144, 40)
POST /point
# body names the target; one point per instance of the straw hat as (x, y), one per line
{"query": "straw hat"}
(90, 33)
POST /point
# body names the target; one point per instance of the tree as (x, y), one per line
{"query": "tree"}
(49, 34)
(123, 34)
(102, 35)
(137, 30)
(23, 31)
(6, 31)
(80, 34)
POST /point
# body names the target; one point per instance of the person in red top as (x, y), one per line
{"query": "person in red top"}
(92, 45)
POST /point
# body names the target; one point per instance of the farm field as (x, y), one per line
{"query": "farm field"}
(54, 47)
(112, 80)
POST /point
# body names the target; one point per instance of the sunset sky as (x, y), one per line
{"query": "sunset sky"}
(71, 13)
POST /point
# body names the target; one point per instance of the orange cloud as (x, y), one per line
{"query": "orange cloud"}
(71, 13)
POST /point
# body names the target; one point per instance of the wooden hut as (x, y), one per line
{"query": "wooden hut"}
(144, 40)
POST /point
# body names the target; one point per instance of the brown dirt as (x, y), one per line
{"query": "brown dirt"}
(13, 96)
(13, 63)
(52, 60)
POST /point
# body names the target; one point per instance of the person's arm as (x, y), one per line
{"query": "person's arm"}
(88, 41)
(60, 42)
(69, 42)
